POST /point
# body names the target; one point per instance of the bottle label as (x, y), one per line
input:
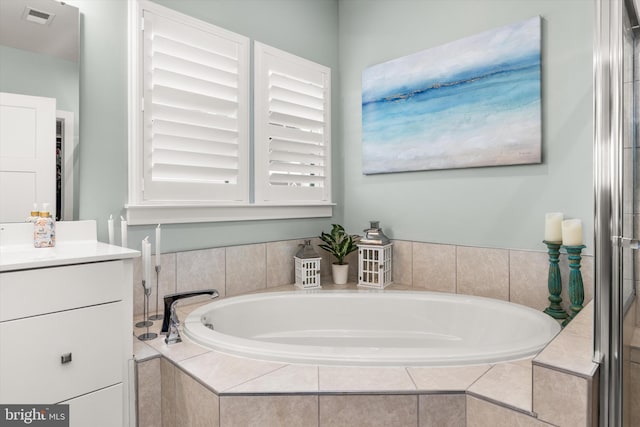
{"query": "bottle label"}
(44, 233)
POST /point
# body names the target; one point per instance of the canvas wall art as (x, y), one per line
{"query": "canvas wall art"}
(469, 103)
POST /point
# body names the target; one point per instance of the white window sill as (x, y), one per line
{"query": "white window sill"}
(138, 214)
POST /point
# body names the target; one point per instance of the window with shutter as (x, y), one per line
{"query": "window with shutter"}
(189, 152)
(195, 110)
(292, 128)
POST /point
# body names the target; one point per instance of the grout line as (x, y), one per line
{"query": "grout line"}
(502, 405)
(255, 378)
(175, 261)
(226, 293)
(509, 275)
(479, 377)
(411, 378)
(418, 410)
(455, 272)
(318, 395)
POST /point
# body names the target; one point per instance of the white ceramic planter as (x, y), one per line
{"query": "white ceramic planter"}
(340, 273)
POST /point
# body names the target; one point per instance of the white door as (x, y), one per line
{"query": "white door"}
(27, 155)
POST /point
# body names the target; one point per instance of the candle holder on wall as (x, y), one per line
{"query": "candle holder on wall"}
(554, 282)
(576, 287)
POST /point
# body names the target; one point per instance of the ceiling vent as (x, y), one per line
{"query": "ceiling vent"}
(38, 16)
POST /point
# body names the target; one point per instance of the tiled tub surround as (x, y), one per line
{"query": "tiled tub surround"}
(512, 275)
(195, 386)
(185, 384)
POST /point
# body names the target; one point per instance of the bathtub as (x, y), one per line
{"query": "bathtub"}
(401, 328)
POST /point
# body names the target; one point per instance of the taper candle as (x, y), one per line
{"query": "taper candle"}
(146, 262)
(158, 245)
(553, 227)
(110, 229)
(123, 232)
(572, 232)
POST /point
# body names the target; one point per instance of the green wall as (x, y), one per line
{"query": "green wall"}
(308, 28)
(493, 207)
(36, 74)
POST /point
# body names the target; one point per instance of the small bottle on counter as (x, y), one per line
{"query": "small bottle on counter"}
(34, 215)
(44, 229)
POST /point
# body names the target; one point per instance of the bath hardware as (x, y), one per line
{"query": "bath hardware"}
(625, 242)
(65, 358)
(171, 322)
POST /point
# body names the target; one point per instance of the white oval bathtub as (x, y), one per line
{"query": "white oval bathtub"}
(400, 328)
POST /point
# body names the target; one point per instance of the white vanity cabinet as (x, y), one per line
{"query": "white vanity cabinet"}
(66, 329)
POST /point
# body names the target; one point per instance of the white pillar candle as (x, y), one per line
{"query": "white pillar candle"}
(110, 228)
(553, 227)
(158, 245)
(572, 232)
(123, 232)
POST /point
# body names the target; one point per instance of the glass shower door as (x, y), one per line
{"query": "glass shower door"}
(631, 214)
(617, 209)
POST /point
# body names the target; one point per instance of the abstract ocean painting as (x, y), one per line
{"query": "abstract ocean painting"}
(469, 103)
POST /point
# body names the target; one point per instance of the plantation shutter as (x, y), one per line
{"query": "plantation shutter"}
(292, 128)
(195, 90)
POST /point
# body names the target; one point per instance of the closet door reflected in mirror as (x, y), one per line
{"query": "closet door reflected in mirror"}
(27, 154)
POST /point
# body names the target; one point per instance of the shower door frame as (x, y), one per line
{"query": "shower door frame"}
(608, 213)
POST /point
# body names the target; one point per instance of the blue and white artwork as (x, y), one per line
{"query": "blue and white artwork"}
(469, 103)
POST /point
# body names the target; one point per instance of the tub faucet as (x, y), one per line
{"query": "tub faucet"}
(170, 322)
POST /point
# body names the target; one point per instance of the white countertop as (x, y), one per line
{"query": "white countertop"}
(76, 244)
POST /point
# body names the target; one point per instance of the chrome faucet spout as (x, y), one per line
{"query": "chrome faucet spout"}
(171, 323)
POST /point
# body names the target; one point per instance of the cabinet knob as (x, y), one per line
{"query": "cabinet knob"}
(65, 358)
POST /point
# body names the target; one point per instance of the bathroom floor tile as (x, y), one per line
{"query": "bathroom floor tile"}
(349, 379)
(519, 392)
(288, 379)
(446, 379)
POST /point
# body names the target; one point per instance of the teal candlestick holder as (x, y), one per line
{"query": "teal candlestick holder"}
(576, 287)
(554, 282)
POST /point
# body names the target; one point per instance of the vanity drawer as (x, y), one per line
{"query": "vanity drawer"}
(102, 408)
(31, 349)
(47, 290)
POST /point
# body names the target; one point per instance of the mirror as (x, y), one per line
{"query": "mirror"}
(39, 57)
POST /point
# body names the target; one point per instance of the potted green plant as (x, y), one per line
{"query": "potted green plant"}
(340, 244)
